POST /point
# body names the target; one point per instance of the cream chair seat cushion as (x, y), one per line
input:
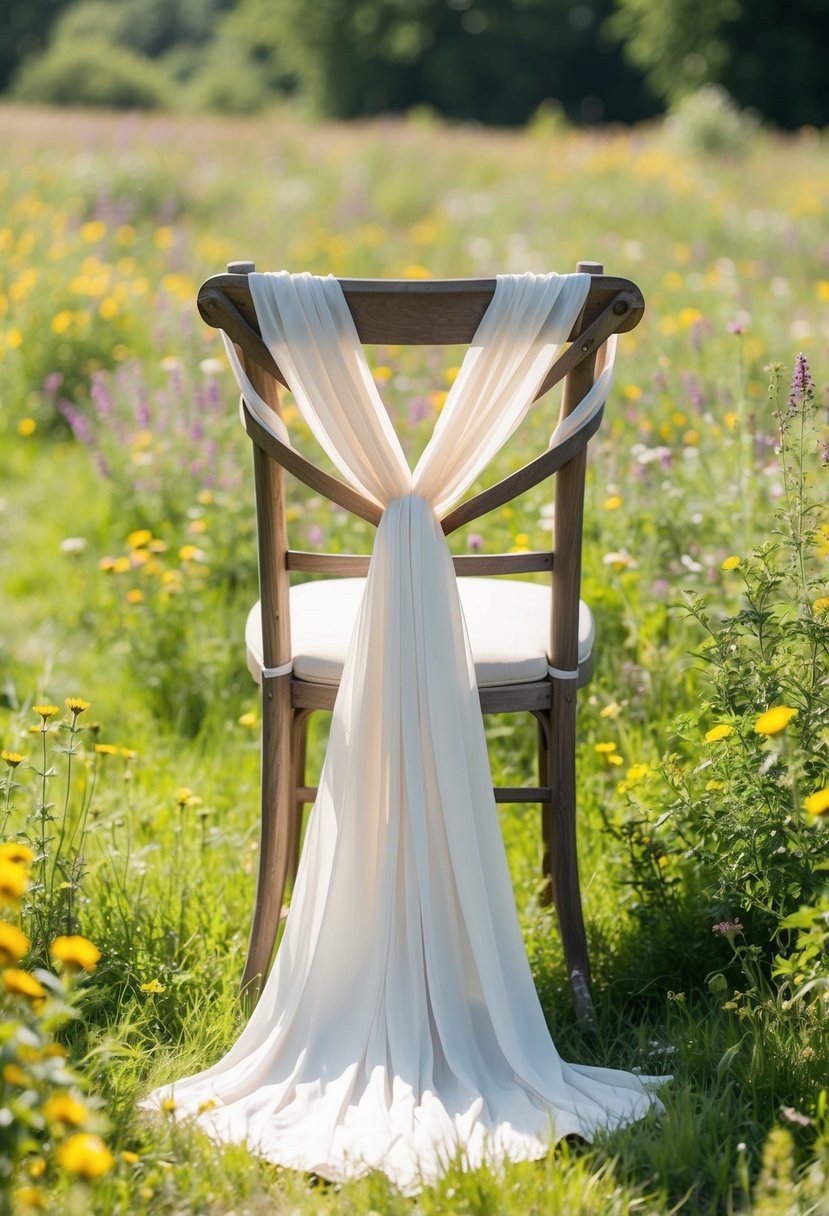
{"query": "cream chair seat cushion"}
(508, 624)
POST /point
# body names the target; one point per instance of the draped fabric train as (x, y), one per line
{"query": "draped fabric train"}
(400, 1026)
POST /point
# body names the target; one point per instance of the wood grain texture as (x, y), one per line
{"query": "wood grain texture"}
(355, 565)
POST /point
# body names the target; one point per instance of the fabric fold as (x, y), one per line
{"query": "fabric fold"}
(400, 1028)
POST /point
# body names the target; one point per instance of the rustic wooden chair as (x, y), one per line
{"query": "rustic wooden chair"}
(297, 680)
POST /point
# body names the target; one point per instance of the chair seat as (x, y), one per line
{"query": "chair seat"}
(508, 624)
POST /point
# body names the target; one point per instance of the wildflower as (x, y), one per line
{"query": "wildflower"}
(731, 563)
(76, 706)
(249, 719)
(26, 427)
(46, 711)
(12, 758)
(794, 1116)
(135, 595)
(722, 731)
(130, 1157)
(139, 538)
(615, 759)
(605, 748)
(168, 1105)
(475, 542)
(13, 882)
(818, 803)
(613, 502)
(21, 983)
(821, 605)
(153, 986)
(106, 749)
(204, 1107)
(637, 772)
(121, 565)
(72, 544)
(15, 851)
(62, 1108)
(774, 720)
(29, 1197)
(611, 711)
(185, 797)
(191, 553)
(75, 952)
(620, 561)
(729, 929)
(86, 1155)
(13, 943)
(801, 389)
(14, 1075)
(715, 785)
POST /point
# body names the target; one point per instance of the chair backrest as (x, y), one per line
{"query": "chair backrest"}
(422, 312)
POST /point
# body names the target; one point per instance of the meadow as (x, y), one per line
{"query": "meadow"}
(129, 723)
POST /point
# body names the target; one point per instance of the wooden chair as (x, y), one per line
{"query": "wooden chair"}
(422, 312)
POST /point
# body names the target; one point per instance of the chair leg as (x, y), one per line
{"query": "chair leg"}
(560, 817)
(299, 748)
(275, 844)
(545, 897)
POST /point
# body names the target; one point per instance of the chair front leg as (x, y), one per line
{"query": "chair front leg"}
(276, 840)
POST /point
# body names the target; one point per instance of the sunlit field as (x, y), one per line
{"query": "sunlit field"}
(129, 722)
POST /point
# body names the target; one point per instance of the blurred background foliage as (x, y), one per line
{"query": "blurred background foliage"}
(489, 61)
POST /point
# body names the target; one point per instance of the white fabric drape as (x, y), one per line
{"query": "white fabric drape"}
(400, 1027)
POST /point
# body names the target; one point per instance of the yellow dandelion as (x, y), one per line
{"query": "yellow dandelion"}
(615, 759)
(121, 565)
(713, 785)
(191, 553)
(731, 563)
(12, 758)
(605, 748)
(30, 1197)
(46, 711)
(26, 427)
(13, 882)
(86, 1155)
(13, 943)
(75, 951)
(774, 720)
(204, 1107)
(57, 1050)
(249, 719)
(185, 796)
(818, 803)
(168, 1105)
(637, 772)
(139, 538)
(106, 749)
(821, 605)
(611, 711)
(716, 733)
(62, 1108)
(613, 502)
(76, 705)
(130, 1157)
(135, 595)
(36, 1167)
(17, 852)
(153, 986)
(93, 231)
(21, 983)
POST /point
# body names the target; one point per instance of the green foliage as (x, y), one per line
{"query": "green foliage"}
(766, 55)
(95, 73)
(707, 121)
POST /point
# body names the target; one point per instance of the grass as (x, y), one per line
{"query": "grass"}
(111, 223)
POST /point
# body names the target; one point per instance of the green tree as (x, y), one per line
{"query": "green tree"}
(26, 28)
(769, 54)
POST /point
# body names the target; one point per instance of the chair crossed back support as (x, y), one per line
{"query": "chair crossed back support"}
(412, 313)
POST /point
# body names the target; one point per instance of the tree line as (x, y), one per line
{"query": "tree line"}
(491, 61)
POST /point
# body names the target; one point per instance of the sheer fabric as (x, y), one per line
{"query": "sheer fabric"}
(400, 1027)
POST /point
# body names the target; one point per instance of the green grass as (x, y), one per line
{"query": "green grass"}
(682, 474)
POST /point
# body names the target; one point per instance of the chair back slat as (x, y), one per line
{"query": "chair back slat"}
(355, 565)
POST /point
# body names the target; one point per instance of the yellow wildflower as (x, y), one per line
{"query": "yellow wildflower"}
(86, 1155)
(605, 748)
(15, 851)
(637, 772)
(36, 1167)
(12, 758)
(75, 951)
(208, 1104)
(21, 983)
(153, 986)
(821, 605)
(185, 797)
(249, 719)
(139, 538)
(168, 1105)
(13, 882)
(45, 711)
(715, 785)
(135, 595)
(30, 1197)
(76, 705)
(26, 427)
(731, 563)
(774, 720)
(13, 943)
(818, 803)
(121, 565)
(615, 758)
(190, 553)
(106, 749)
(716, 733)
(62, 1108)
(611, 711)
(129, 1157)
(613, 502)
(13, 1074)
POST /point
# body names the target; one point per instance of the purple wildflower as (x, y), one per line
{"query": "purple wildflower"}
(475, 542)
(79, 424)
(729, 929)
(52, 383)
(315, 534)
(801, 390)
